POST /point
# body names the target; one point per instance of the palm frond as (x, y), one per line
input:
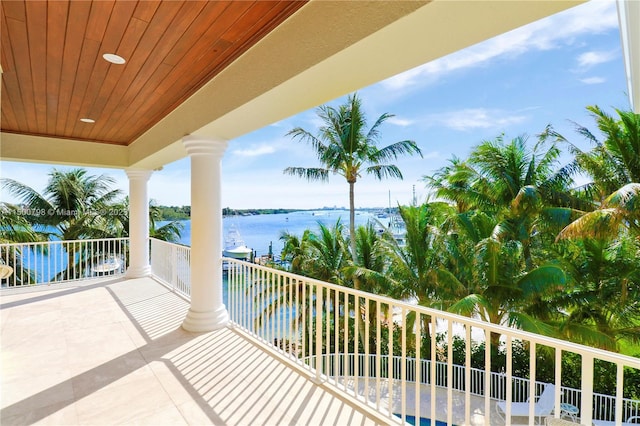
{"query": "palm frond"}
(310, 174)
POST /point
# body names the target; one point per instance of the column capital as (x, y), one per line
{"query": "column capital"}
(200, 145)
(138, 174)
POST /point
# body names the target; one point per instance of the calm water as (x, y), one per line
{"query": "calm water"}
(260, 230)
(423, 421)
(257, 231)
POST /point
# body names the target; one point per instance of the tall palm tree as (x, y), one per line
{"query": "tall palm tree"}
(615, 161)
(73, 203)
(345, 147)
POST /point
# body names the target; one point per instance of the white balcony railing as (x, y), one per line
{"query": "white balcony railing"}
(54, 262)
(303, 317)
(171, 263)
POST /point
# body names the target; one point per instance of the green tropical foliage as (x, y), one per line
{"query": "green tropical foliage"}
(512, 241)
(614, 161)
(73, 206)
(344, 146)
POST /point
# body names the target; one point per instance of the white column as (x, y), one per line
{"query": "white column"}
(138, 224)
(207, 311)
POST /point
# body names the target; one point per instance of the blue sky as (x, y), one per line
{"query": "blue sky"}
(514, 84)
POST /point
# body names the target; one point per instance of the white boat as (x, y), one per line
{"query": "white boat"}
(234, 245)
(398, 229)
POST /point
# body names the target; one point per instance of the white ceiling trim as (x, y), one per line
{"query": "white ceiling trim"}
(629, 17)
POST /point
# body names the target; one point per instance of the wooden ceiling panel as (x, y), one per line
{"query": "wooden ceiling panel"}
(23, 93)
(57, 25)
(98, 19)
(146, 9)
(54, 73)
(196, 30)
(72, 49)
(14, 10)
(36, 19)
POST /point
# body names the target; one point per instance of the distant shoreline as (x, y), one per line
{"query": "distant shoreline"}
(227, 212)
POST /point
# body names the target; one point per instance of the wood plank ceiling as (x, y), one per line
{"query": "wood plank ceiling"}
(54, 73)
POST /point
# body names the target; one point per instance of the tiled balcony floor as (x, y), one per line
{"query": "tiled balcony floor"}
(113, 352)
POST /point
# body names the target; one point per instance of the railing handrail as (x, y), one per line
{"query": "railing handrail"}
(516, 333)
(88, 240)
(169, 243)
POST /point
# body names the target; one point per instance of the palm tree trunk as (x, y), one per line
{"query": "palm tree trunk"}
(71, 260)
(352, 227)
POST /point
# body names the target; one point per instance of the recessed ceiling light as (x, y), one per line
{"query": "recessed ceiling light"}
(114, 59)
(87, 120)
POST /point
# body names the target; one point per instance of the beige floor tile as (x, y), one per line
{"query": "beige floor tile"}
(22, 362)
(114, 352)
(123, 403)
(198, 413)
(35, 391)
(62, 413)
(97, 345)
(167, 416)
(119, 371)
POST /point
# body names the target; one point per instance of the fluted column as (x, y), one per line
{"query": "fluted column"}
(138, 224)
(207, 311)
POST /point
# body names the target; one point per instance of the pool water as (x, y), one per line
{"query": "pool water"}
(423, 421)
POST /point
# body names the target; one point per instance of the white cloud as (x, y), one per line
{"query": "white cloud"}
(593, 80)
(255, 151)
(402, 122)
(546, 34)
(475, 118)
(431, 155)
(589, 59)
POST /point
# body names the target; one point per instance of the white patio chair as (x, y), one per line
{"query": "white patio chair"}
(631, 421)
(542, 407)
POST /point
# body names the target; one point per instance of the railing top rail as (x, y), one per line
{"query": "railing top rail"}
(519, 334)
(182, 246)
(89, 240)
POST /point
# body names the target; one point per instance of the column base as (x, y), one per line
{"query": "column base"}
(137, 272)
(199, 322)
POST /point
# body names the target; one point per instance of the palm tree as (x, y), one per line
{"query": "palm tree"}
(119, 221)
(601, 302)
(323, 256)
(415, 269)
(515, 184)
(15, 228)
(510, 202)
(619, 210)
(73, 203)
(615, 161)
(294, 250)
(343, 146)
(369, 272)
